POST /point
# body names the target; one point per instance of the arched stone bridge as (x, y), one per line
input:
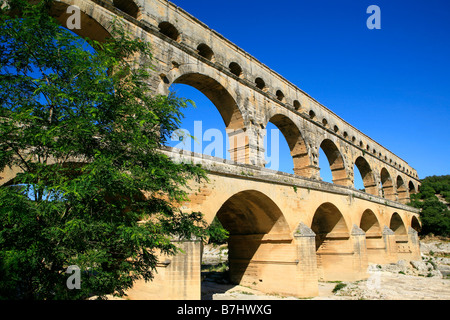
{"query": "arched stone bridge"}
(287, 231)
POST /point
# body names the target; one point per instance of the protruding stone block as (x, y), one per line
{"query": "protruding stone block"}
(307, 276)
(390, 245)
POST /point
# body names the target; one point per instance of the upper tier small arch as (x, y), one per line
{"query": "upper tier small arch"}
(169, 30)
(128, 6)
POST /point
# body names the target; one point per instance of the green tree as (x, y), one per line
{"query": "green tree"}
(94, 191)
(435, 215)
(435, 218)
(217, 233)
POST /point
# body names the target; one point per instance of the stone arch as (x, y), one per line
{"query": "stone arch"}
(387, 186)
(370, 224)
(227, 107)
(415, 224)
(127, 6)
(235, 69)
(206, 52)
(280, 96)
(336, 162)
(261, 84)
(252, 212)
(412, 188)
(333, 244)
(328, 221)
(169, 30)
(367, 175)
(219, 96)
(296, 143)
(402, 191)
(397, 225)
(400, 230)
(375, 245)
(95, 26)
(258, 231)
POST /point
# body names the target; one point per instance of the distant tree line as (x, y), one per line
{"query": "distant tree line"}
(435, 215)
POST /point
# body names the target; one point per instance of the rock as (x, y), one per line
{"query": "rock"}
(402, 264)
(425, 279)
(400, 267)
(444, 270)
(422, 266)
(435, 273)
(214, 255)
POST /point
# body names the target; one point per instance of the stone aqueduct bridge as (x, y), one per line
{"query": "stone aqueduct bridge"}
(287, 231)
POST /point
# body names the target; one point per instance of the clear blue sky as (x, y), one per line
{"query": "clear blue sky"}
(392, 84)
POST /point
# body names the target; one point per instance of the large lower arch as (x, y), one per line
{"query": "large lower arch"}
(336, 162)
(367, 176)
(415, 224)
(296, 143)
(374, 239)
(401, 236)
(334, 249)
(260, 244)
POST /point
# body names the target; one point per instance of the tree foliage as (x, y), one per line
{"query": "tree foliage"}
(93, 191)
(435, 215)
(217, 233)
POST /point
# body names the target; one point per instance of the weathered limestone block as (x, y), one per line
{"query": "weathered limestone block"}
(390, 245)
(360, 259)
(414, 244)
(307, 276)
(177, 277)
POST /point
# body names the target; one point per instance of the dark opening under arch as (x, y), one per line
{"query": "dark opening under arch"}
(333, 245)
(205, 51)
(250, 216)
(169, 30)
(374, 239)
(127, 6)
(415, 224)
(235, 69)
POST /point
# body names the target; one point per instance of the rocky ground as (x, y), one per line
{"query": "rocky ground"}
(427, 279)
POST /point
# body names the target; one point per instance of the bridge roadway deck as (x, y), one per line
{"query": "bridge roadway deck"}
(219, 166)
